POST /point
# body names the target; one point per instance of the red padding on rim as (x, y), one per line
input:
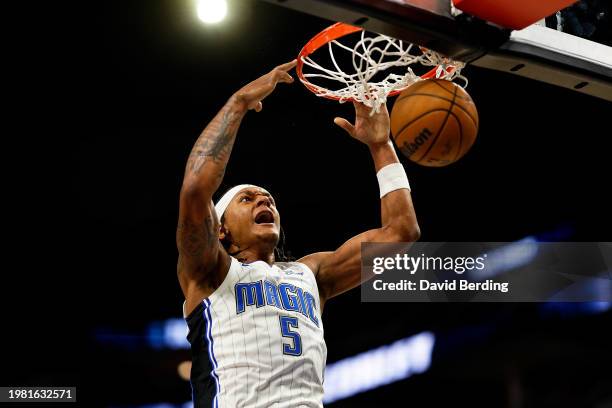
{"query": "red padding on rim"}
(514, 14)
(332, 33)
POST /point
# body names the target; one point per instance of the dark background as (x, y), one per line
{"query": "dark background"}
(142, 80)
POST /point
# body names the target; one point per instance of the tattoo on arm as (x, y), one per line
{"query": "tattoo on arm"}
(193, 239)
(215, 144)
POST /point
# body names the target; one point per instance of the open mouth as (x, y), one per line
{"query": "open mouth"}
(264, 217)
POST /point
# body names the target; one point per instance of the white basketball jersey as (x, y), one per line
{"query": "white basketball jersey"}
(257, 341)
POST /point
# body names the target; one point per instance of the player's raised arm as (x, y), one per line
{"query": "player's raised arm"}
(202, 260)
(340, 270)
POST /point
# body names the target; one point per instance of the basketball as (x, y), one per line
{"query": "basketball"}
(434, 122)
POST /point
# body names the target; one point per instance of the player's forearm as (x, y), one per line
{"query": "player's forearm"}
(397, 212)
(209, 156)
(383, 155)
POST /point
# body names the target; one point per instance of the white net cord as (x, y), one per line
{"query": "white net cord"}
(372, 55)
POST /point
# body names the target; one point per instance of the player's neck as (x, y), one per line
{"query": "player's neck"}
(254, 254)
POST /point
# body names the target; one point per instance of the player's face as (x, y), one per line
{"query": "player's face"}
(252, 217)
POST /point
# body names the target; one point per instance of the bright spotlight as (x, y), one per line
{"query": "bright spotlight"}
(212, 11)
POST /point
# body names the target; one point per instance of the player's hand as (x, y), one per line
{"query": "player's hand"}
(251, 95)
(371, 130)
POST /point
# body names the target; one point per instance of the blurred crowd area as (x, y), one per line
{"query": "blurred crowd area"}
(590, 19)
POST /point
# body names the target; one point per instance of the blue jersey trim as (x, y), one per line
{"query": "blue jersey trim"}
(211, 354)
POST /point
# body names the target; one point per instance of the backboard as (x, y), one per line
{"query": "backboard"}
(535, 52)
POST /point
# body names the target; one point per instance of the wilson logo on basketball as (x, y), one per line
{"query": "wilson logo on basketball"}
(410, 147)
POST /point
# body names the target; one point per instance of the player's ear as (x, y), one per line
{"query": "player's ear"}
(225, 237)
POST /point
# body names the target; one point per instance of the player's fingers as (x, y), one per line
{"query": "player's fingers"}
(345, 124)
(383, 109)
(361, 109)
(286, 78)
(288, 65)
(278, 75)
(258, 107)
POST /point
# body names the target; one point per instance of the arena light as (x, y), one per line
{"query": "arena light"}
(170, 333)
(518, 254)
(378, 367)
(347, 377)
(344, 378)
(573, 309)
(184, 370)
(187, 404)
(506, 258)
(211, 11)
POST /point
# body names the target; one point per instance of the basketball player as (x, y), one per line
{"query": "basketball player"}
(255, 324)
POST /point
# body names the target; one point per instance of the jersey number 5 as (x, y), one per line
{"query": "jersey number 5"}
(286, 323)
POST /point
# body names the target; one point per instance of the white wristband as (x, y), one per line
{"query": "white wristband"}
(392, 177)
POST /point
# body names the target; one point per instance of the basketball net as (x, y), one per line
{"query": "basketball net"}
(371, 55)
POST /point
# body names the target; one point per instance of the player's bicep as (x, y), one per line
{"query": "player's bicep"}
(340, 270)
(197, 238)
